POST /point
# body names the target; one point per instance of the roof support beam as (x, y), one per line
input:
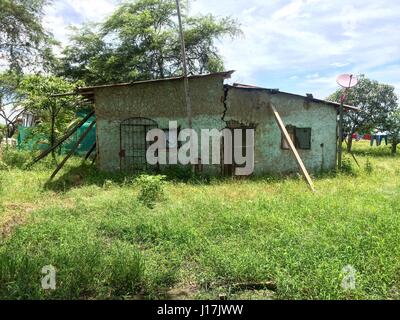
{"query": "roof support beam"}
(72, 151)
(63, 138)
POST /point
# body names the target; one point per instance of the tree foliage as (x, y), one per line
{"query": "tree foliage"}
(54, 113)
(140, 40)
(23, 40)
(10, 108)
(89, 58)
(376, 102)
(393, 127)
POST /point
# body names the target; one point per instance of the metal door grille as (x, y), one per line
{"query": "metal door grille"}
(133, 147)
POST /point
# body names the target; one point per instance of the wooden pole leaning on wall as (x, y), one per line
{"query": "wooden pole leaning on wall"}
(90, 151)
(72, 151)
(292, 147)
(62, 139)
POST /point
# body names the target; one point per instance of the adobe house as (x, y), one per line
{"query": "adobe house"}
(126, 112)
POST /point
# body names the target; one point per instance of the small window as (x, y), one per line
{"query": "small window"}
(301, 138)
(291, 131)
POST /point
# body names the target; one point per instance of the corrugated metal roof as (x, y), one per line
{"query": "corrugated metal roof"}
(88, 91)
(225, 75)
(277, 91)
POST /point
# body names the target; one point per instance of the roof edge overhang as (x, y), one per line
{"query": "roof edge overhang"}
(277, 91)
(224, 75)
(89, 90)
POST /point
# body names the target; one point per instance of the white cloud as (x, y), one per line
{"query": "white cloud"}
(93, 10)
(310, 37)
(340, 64)
(313, 76)
(286, 38)
(62, 14)
(56, 23)
(293, 9)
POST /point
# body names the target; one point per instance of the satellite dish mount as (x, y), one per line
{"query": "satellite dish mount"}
(346, 81)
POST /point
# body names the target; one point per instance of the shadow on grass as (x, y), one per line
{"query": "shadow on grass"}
(85, 174)
(78, 174)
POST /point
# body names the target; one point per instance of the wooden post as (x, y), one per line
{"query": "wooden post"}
(94, 159)
(185, 75)
(292, 147)
(84, 134)
(90, 151)
(340, 143)
(59, 142)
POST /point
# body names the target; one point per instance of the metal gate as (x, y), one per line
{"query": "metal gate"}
(133, 146)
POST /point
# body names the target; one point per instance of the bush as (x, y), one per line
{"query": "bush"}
(178, 172)
(14, 158)
(347, 166)
(368, 167)
(3, 131)
(108, 184)
(151, 189)
(3, 166)
(1, 184)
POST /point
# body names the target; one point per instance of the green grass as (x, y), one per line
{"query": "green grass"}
(203, 238)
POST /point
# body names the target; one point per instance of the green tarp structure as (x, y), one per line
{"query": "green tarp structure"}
(27, 141)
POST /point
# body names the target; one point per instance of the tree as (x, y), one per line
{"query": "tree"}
(54, 113)
(23, 40)
(375, 100)
(89, 58)
(140, 40)
(393, 128)
(10, 108)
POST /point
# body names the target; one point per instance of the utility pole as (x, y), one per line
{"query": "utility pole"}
(346, 81)
(185, 76)
(184, 65)
(340, 146)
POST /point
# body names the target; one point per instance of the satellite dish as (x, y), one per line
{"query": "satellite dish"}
(347, 80)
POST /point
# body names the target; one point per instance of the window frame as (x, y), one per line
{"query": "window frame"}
(309, 138)
(292, 131)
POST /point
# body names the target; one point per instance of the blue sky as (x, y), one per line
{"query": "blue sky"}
(298, 46)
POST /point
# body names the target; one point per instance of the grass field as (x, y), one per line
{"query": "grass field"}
(204, 239)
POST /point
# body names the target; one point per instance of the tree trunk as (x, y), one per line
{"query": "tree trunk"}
(394, 147)
(350, 141)
(10, 131)
(7, 134)
(160, 63)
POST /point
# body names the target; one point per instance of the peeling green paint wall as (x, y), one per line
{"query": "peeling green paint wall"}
(251, 107)
(164, 101)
